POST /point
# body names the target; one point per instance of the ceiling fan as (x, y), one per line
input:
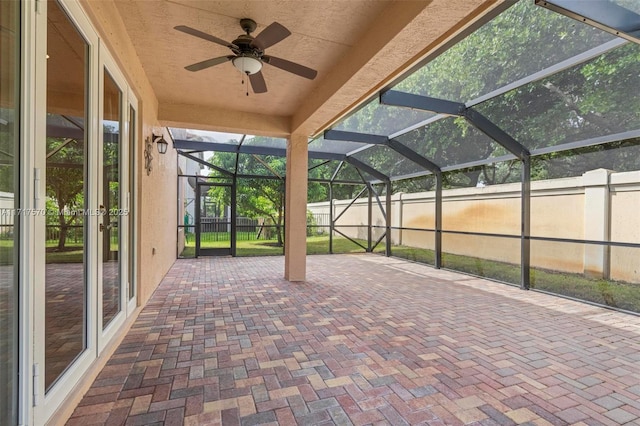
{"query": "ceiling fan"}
(248, 53)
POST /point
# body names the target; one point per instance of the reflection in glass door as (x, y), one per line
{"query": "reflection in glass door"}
(66, 195)
(9, 201)
(111, 208)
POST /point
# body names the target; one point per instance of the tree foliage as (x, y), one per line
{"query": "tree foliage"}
(589, 100)
(65, 184)
(256, 196)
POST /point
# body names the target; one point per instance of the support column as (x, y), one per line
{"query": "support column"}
(525, 222)
(387, 220)
(295, 217)
(330, 218)
(370, 219)
(596, 222)
(396, 219)
(438, 214)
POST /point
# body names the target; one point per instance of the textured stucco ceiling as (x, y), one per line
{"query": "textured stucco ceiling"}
(355, 45)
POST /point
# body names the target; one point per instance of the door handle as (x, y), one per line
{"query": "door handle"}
(101, 227)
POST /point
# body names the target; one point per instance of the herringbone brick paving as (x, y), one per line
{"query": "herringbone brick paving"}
(366, 340)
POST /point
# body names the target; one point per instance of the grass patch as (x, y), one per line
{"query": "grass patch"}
(315, 245)
(617, 294)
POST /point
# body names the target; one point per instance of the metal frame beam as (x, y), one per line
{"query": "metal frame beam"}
(366, 168)
(331, 224)
(319, 165)
(337, 170)
(378, 200)
(340, 135)
(525, 221)
(206, 163)
(248, 149)
(487, 127)
(425, 103)
(438, 217)
(442, 106)
(603, 14)
(413, 156)
(326, 155)
(370, 218)
(387, 250)
(351, 203)
(393, 144)
(234, 216)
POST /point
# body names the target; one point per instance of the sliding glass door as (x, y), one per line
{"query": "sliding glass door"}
(9, 202)
(86, 117)
(118, 118)
(66, 240)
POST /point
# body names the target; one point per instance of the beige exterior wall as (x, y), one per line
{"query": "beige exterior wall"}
(157, 192)
(625, 225)
(596, 206)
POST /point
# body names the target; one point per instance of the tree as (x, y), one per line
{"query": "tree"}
(258, 197)
(65, 182)
(589, 100)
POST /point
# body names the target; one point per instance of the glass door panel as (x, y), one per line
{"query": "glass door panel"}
(111, 204)
(9, 199)
(66, 195)
(131, 213)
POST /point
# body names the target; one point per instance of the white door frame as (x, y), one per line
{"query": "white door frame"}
(132, 203)
(108, 63)
(46, 404)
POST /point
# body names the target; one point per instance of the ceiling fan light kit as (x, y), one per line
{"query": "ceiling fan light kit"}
(247, 64)
(248, 53)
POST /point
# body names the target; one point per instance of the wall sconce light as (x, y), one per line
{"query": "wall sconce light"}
(161, 144)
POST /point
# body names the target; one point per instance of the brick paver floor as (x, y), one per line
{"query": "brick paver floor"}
(366, 340)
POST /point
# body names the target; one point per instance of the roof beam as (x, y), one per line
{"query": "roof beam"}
(482, 123)
(206, 117)
(602, 14)
(487, 127)
(366, 168)
(340, 135)
(226, 147)
(248, 149)
(413, 156)
(205, 163)
(425, 103)
(398, 147)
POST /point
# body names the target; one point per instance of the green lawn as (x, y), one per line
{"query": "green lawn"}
(616, 294)
(71, 254)
(315, 245)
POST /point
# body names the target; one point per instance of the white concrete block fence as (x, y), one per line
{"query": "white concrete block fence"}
(597, 206)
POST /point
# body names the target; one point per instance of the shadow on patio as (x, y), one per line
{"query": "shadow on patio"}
(366, 339)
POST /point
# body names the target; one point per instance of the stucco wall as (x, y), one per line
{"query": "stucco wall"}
(596, 206)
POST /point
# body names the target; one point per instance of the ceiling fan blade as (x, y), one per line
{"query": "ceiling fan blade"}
(208, 63)
(271, 35)
(291, 67)
(205, 36)
(257, 83)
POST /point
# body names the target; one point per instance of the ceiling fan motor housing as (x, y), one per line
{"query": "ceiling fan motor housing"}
(248, 25)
